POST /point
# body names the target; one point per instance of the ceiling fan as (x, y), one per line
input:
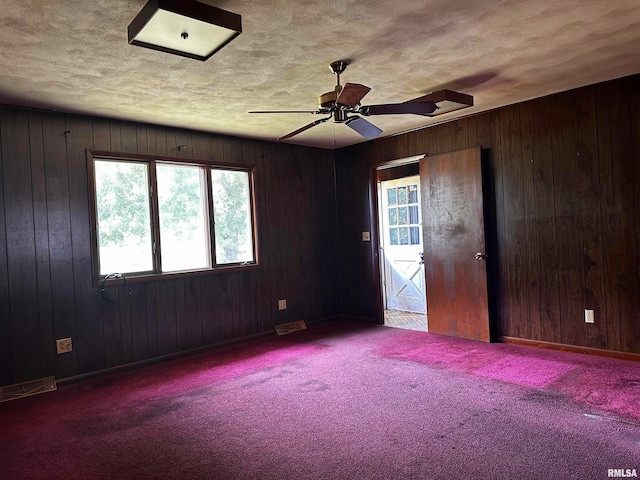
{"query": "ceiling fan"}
(343, 105)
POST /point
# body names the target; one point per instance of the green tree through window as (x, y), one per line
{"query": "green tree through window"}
(124, 227)
(232, 223)
(152, 216)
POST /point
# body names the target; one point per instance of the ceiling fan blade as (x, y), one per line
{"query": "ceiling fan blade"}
(417, 108)
(306, 127)
(286, 111)
(364, 127)
(351, 94)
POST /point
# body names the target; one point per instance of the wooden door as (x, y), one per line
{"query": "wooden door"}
(454, 245)
(401, 235)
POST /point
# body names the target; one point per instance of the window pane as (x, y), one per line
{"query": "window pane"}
(124, 226)
(404, 235)
(393, 236)
(403, 216)
(402, 195)
(184, 237)
(413, 214)
(415, 235)
(393, 216)
(413, 193)
(232, 216)
(391, 196)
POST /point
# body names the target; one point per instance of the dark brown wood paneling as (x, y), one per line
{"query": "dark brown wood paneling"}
(277, 236)
(180, 312)
(357, 285)
(498, 175)
(609, 255)
(297, 238)
(633, 329)
(591, 218)
(532, 280)
(545, 211)
(7, 375)
(166, 315)
(513, 256)
(20, 238)
(209, 309)
(128, 138)
(566, 175)
(444, 139)
(115, 136)
(460, 134)
(60, 245)
(137, 312)
(152, 319)
(625, 170)
(244, 295)
(324, 236)
(265, 252)
(193, 315)
(40, 225)
(222, 293)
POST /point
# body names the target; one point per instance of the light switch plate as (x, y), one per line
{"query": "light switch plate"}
(589, 316)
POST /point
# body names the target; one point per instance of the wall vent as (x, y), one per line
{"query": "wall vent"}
(26, 389)
(290, 327)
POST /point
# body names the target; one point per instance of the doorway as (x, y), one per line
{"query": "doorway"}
(431, 243)
(402, 269)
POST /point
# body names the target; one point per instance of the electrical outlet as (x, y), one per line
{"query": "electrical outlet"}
(366, 236)
(64, 345)
(282, 304)
(589, 316)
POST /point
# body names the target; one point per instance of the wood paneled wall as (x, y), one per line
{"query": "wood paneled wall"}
(46, 288)
(562, 187)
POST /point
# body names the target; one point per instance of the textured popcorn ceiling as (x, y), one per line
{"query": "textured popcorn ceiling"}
(73, 56)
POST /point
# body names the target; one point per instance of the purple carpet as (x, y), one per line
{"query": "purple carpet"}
(337, 401)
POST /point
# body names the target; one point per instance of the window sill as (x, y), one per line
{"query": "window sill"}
(155, 277)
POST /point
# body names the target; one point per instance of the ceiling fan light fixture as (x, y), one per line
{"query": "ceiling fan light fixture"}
(187, 28)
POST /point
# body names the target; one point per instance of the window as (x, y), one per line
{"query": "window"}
(161, 216)
(404, 215)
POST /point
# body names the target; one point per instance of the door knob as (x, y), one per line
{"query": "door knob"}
(421, 262)
(480, 256)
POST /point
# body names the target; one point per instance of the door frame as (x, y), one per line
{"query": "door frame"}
(375, 225)
(490, 230)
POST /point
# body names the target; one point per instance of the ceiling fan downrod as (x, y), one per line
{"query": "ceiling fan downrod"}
(338, 67)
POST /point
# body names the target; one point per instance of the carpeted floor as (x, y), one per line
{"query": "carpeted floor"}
(337, 401)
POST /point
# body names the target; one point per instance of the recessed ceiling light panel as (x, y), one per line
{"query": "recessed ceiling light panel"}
(186, 27)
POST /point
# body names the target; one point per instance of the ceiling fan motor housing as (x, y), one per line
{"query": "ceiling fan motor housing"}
(328, 100)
